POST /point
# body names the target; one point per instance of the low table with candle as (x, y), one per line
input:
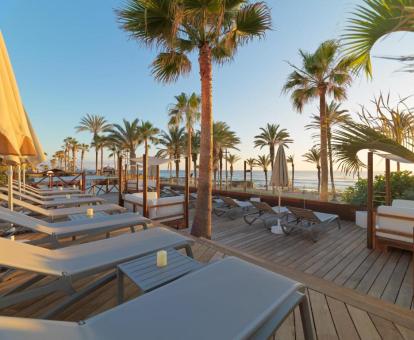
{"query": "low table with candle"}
(148, 274)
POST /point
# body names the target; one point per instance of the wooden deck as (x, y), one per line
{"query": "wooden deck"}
(337, 313)
(340, 257)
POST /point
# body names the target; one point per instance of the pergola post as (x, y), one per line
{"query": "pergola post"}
(137, 168)
(387, 182)
(145, 185)
(120, 187)
(370, 203)
(186, 192)
(83, 181)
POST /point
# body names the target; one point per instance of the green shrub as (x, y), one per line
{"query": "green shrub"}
(402, 186)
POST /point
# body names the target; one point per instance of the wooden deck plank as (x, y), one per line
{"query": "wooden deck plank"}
(386, 328)
(363, 324)
(343, 323)
(395, 283)
(287, 330)
(322, 318)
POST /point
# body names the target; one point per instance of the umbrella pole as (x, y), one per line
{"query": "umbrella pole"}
(10, 184)
(278, 215)
(24, 177)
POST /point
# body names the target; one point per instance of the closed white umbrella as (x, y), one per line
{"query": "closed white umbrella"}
(280, 179)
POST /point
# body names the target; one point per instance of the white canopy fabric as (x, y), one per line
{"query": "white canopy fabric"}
(151, 160)
(280, 177)
(395, 158)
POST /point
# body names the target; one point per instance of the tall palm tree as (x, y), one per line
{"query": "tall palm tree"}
(314, 156)
(232, 159)
(335, 115)
(291, 159)
(60, 156)
(67, 146)
(372, 21)
(75, 148)
(215, 30)
(322, 73)
(223, 139)
(251, 162)
(173, 145)
(269, 137)
(84, 148)
(195, 150)
(148, 133)
(94, 124)
(186, 109)
(127, 137)
(264, 162)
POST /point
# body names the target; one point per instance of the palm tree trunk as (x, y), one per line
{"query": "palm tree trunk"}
(102, 154)
(272, 155)
(265, 172)
(96, 160)
(202, 220)
(221, 167)
(189, 151)
(398, 167)
(331, 172)
(195, 169)
(251, 176)
(323, 151)
(82, 157)
(293, 177)
(319, 179)
(177, 169)
(231, 174)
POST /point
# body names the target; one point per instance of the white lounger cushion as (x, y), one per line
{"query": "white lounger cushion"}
(69, 228)
(179, 310)
(399, 203)
(394, 224)
(81, 258)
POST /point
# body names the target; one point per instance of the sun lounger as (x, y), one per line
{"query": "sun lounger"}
(63, 212)
(81, 260)
(58, 202)
(310, 221)
(56, 231)
(49, 191)
(57, 194)
(231, 208)
(239, 300)
(265, 213)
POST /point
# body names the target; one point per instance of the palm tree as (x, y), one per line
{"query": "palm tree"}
(372, 21)
(173, 143)
(60, 156)
(127, 137)
(67, 146)
(232, 159)
(270, 136)
(147, 134)
(94, 124)
(75, 148)
(215, 31)
(322, 73)
(84, 148)
(187, 109)
(263, 161)
(251, 162)
(334, 116)
(291, 159)
(223, 139)
(314, 156)
(195, 150)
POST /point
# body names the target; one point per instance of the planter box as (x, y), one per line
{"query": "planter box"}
(361, 219)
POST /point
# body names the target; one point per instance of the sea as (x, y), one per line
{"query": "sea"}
(306, 180)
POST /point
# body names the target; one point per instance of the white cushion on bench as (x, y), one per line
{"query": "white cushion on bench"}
(398, 203)
(395, 224)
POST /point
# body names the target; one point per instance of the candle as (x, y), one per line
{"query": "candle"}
(161, 258)
(61, 188)
(68, 197)
(74, 186)
(12, 237)
(89, 212)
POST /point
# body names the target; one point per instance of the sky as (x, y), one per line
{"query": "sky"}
(71, 58)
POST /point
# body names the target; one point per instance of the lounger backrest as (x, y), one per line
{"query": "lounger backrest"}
(19, 219)
(229, 201)
(304, 214)
(262, 206)
(23, 195)
(27, 206)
